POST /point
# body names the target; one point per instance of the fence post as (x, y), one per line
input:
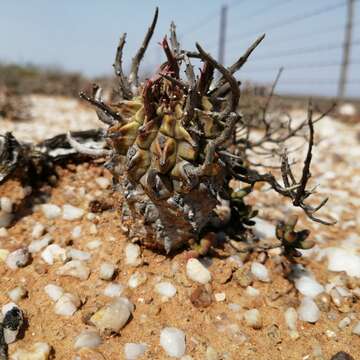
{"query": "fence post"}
(346, 50)
(222, 34)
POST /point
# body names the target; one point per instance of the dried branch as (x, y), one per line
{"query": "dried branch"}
(107, 115)
(134, 77)
(85, 150)
(124, 85)
(218, 87)
(173, 39)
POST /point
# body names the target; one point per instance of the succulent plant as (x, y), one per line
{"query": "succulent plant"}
(292, 240)
(176, 145)
(166, 133)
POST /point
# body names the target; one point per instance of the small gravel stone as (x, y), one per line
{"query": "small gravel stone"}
(4, 254)
(51, 211)
(38, 351)
(260, 272)
(17, 293)
(67, 305)
(93, 230)
(37, 245)
(72, 213)
(172, 340)
(103, 182)
(54, 292)
(308, 310)
(18, 258)
(220, 296)
(107, 271)
(87, 339)
(211, 354)
(201, 297)
(196, 271)
(343, 323)
(243, 277)
(112, 317)
(75, 268)
(3, 232)
(132, 255)
(133, 351)
(291, 317)
(308, 286)
(356, 329)
(92, 245)
(343, 260)
(253, 319)
(113, 290)
(52, 253)
(6, 204)
(37, 231)
(165, 289)
(76, 254)
(323, 301)
(136, 280)
(76, 232)
(251, 291)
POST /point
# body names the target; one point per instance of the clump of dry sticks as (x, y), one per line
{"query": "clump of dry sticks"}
(175, 143)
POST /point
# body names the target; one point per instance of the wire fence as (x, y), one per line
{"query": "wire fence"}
(307, 39)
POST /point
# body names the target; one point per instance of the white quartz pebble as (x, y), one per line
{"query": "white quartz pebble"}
(54, 292)
(343, 260)
(260, 272)
(67, 305)
(133, 351)
(17, 293)
(38, 351)
(53, 253)
(107, 271)
(72, 213)
(18, 258)
(137, 279)
(37, 231)
(94, 244)
(76, 254)
(113, 290)
(196, 271)
(37, 245)
(87, 339)
(112, 317)
(356, 329)
(172, 340)
(3, 232)
(51, 211)
(308, 286)
(103, 182)
(253, 318)
(308, 310)
(76, 232)
(6, 204)
(75, 268)
(166, 289)
(132, 255)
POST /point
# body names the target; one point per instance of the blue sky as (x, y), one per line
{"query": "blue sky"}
(82, 35)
